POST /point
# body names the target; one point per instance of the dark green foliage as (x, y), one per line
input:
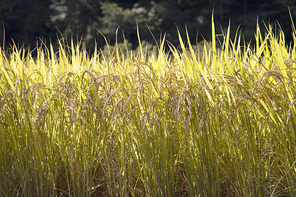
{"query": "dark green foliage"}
(26, 20)
(128, 20)
(76, 18)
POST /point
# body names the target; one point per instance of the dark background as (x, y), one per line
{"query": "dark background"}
(27, 21)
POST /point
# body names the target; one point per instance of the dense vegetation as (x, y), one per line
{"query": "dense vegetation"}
(192, 122)
(26, 20)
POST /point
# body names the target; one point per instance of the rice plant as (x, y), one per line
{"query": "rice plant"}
(211, 122)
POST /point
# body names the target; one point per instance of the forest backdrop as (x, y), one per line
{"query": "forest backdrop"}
(26, 21)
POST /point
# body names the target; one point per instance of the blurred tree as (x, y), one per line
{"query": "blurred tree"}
(128, 19)
(84, 17)
(25, 21)
(76, 18)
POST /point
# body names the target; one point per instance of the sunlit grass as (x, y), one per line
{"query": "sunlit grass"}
(219, 121)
